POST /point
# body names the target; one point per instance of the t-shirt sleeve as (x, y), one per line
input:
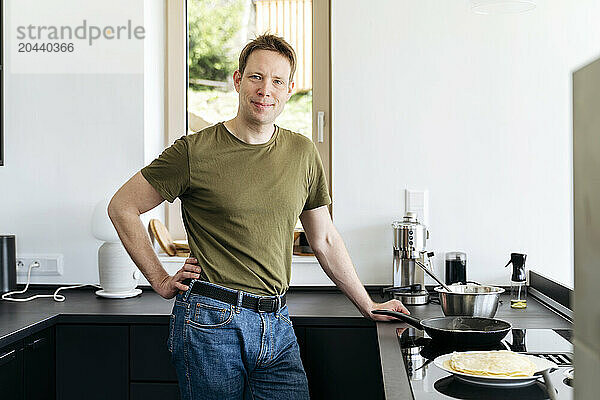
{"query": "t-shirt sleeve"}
(169, 173)
(318, 193)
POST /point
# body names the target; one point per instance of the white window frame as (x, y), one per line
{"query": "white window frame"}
(176, 89)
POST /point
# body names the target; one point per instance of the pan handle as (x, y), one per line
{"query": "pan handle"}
(401, 316)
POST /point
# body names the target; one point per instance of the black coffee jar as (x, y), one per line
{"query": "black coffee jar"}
(456, 267)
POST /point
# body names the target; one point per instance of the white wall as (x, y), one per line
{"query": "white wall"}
(476, 109)
(73, 139)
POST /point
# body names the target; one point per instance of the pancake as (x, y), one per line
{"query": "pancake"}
(501, 363)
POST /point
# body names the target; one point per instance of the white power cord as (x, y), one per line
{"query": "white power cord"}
(55, 296)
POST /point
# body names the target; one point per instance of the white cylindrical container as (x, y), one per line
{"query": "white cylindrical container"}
(118, 273)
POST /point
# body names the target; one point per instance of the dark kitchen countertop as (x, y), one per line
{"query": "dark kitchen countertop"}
(395, 378)
(21, 319)
(306, 306)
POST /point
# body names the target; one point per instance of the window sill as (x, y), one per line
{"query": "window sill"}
(306, 270)
(304, 259)
(164, 258)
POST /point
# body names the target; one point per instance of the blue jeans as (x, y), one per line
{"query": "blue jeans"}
(222, 351)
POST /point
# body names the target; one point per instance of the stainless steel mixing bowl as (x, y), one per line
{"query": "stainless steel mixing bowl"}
(470, 300)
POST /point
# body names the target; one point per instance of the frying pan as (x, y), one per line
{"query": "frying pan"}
(475, 331)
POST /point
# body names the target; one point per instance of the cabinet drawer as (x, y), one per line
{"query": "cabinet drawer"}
(39, 378)
(154, 391)
(91, 362)
(150, 359)
(11, 371)
(343, 363)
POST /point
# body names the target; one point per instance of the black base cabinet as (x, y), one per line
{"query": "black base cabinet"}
(152, 375)
(39, 370)
(131, 362)
(342, 363)
(149, 359)
(92, 362)
(116, 362)
(11, 371)
(150, 390)
(27, 368)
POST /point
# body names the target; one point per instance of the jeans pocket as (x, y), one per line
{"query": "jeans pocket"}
(205, 315)
(171, 333)
(285, 316)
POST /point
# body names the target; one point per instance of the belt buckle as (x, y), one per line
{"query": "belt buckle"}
(267, 299)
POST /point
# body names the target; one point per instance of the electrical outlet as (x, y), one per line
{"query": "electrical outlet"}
(50, 264)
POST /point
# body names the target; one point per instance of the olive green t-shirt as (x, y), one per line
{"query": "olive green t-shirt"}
(240, 202)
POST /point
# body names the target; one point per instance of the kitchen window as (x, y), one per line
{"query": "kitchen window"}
(200, 64)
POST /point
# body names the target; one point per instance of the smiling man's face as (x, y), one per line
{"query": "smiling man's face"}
(264, 87)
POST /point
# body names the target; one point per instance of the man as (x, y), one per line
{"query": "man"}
(242, 183)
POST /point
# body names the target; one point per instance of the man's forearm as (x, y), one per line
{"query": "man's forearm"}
(137, 243)
(336, 263)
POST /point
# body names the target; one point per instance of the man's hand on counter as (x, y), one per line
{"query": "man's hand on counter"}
(394, 305)
(171, 285)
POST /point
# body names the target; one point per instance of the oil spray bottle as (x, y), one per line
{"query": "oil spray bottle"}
(518, 288)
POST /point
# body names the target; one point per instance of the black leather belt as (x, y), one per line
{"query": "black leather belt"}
(260, 304)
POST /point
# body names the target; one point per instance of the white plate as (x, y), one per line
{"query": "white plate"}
(118, 295)
(541, 365)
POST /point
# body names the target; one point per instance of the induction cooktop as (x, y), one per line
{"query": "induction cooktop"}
(430, 382)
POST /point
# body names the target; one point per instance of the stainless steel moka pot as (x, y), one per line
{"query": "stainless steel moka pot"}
(409, 248)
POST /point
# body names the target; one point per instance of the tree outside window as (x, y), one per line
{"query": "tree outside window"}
(218, 30)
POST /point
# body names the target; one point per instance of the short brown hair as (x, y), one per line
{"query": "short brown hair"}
(267, 41)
